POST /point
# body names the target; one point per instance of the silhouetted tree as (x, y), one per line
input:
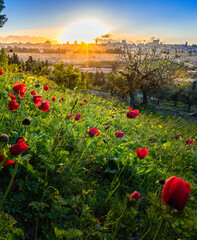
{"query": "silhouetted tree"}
(3, 18)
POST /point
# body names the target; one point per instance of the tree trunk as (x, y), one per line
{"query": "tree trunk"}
(189, 106)
(145, 98)
(132, 97)
(175, 102)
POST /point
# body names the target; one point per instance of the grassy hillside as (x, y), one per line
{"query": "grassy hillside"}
(70, 185)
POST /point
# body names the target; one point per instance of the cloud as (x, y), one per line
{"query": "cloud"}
(25, 39)
(108, 35)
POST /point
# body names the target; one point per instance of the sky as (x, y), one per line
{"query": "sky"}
(173, 21)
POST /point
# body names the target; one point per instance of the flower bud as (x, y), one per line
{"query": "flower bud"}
(104, 140)
(4, 138)
(26, 122)
(37, 85)
(162, 182)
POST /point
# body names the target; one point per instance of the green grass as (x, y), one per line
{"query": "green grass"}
(64, 189)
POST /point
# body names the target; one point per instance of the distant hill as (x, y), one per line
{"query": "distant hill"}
(25, 39)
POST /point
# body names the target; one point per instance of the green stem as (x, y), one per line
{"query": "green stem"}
(147, 232)
(159, 229)
(36, 229)
(25, 131)
(10, 183)
(85, 150)
(118, 223)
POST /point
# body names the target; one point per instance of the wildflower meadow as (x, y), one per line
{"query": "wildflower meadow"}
(77, 166)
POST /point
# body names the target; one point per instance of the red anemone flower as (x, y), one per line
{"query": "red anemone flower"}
(19, 88)
(8, 162)
(176, 193)
(107, 127)
(44, 106)
(70, 115)
(119, 134)
(176, 136)
(152, 139)
(63, 98)
(13, 105)
(18, 148)
(132, 113)
(1, 72)
(53, 99)
(46, 87)
(78, 117)
(37, 100)
(189, 141)
(33, 93)
(135, 195)
(85, 100)
(13, 98)
(81, 104)
(142, 152)
(1, 157)
(94, 131)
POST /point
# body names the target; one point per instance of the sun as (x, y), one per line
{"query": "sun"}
(84, 30)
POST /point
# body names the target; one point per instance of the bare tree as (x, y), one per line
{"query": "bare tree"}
(147, 70)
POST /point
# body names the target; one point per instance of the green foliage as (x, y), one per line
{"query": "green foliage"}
(7, 229)
(3, 59)
(3, 18)
(68, 76)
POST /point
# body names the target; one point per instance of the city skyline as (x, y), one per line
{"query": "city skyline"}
(172, 22)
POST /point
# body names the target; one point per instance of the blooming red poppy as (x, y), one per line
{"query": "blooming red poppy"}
(78, 117)
(70, 115)
(13, 105)
(135, 195)
(176, 136)
(85, 100)
(94, 131)
(119, 134)
(142, 152)
(63, 98)
(18, 148)
(46, 87)
(37, 100)
(132, 113)
(1, 72)
(44, 106)
(107, 127)
(60, 138)
(19, 88)
(81, 104)
(13, 98)
(176, 193)
(53, 99)
(189, 141)
(33, 92)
